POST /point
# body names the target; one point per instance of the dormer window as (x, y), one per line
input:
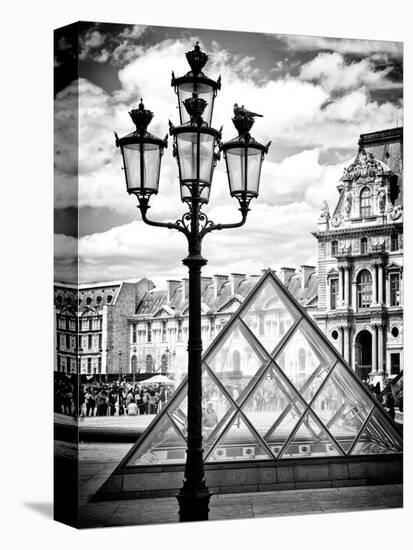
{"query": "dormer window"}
(334, 248)
(365, 202)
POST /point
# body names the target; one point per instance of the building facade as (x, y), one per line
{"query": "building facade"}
(92, 335)
(360, 259)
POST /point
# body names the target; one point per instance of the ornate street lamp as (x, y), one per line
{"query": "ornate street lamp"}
(196, 149)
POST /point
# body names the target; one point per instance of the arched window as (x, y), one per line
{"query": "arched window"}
(364, 289)
(365, 202)
(334, 248)
(363, 245)
(149, 363)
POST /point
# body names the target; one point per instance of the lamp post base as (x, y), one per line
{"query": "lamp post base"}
(193, 504)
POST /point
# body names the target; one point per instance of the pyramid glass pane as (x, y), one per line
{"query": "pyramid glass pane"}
(214, 407)
(306, 360)
(238, 442)
(310, 440)
(343, 406)
(378, 437)
(236, 361)
(164, 445)
(283, 427)
(269, 316)
(268, 400)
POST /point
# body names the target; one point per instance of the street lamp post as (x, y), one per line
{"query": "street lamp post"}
(196, 147)
(120, 366)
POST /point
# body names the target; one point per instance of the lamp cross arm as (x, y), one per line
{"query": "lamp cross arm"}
(178, 224)
(210, 226)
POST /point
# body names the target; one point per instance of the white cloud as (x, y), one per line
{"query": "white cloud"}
(343, 45)
(334, 74)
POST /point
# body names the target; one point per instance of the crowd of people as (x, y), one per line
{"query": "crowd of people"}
(110, 399)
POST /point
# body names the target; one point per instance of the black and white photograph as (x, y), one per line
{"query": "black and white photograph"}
(228, 295)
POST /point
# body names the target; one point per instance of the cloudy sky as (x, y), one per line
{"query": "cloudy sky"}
(317, 96)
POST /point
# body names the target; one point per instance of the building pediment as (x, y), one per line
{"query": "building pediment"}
(365, 167)
(164, 311)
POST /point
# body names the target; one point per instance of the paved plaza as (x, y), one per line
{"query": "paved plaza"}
(97, 462)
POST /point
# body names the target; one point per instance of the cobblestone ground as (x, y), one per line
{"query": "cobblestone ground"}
(97, 462)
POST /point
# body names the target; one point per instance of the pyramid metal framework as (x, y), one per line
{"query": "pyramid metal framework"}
(274, 388)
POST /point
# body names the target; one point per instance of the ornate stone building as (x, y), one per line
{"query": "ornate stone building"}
(360, 259)
(92, 331)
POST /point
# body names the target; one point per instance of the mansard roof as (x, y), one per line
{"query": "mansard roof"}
(156, 300)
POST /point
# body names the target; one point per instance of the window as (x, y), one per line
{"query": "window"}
(67, 341)
(134, 333)
(364, 289)
(89, 365)
(99, 365)
(179, 330)
(109, 299)
(394, 363)
(149, 332)
(90, 324)
(365, 202)
(394, 289)
(163, 331)
(333, 293)
(89, 341)
(334, 248)
(334, 335)
(100, 342)
(59, 365)
(363, 245)
(394, 243)
(88, 300)
(98, 299)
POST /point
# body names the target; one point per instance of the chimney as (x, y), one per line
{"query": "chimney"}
(235, 280)
(285, 275)
(205, 282)
(306, 272)
(171, 287)
(219, 281)
(185, 288)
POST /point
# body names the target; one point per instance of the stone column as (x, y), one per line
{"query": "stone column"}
(346, 286)
(374, 289)
(374, 349)
(346, 343)
(353, 353)
(354, 295)
(380, 349)
(340, 286)
(380, 276)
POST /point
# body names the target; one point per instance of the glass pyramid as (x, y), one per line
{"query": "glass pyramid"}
(274, 388)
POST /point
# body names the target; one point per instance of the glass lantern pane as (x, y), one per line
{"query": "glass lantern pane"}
(235, 159)
(187, 143)
(206, 157)
(306, 360)
(254, 170)
(310, 439)
(238, 442)
(152, 164)
(378, 437)
(269, 399)
(342, 406)
(164, 445)
(204, 91)
(131, 157)
(269, 316)
(235, 361)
